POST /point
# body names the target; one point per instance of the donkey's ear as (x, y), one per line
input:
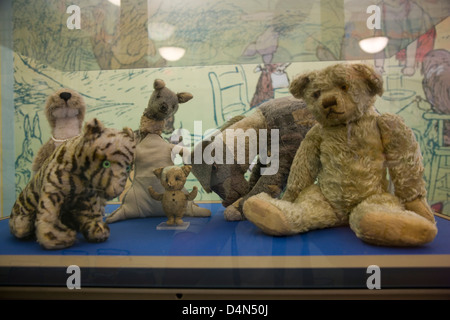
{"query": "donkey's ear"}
(184, 97)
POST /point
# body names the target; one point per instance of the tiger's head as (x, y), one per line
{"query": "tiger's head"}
(108, 156)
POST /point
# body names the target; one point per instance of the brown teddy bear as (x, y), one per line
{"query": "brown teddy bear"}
(174, 200)
(349, 154)
(65, 110)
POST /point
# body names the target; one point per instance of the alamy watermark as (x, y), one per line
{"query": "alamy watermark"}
(230, 146)
(374, 280)
(74, 280)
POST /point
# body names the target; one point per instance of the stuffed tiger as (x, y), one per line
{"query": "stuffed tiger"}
(70, 190)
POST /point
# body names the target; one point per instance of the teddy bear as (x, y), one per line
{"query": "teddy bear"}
(339, 175)
(153, 152)
(64, 110)
(173, 200)
(291, 118)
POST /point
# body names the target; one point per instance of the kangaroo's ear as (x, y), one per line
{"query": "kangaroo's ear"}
(158, 84)
(158, 172)
(93, 129)
(299, 84)
(374, 80)
(186, 169)
(184, 97)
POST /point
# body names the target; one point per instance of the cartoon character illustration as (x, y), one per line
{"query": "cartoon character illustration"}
(273, 75)
(410, 31)
(30, 147)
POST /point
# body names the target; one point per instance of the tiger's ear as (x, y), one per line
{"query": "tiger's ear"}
(184, 97)
(93, 129)
(128, 132)
(186, 169)
(158, 172)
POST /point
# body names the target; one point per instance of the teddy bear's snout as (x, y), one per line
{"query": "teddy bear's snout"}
(329, 102)
(163, 107)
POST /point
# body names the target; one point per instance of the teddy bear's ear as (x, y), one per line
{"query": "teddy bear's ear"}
(186, 169)
(159, 84)
(184, 97)
(299, 84)
(158, 172)
(373, 79)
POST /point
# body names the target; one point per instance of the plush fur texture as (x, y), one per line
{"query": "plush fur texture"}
(64, 110)
(293, 120)
(349, 153)
(163, 104)
(153, 152)
(69, 192)
(174, 200)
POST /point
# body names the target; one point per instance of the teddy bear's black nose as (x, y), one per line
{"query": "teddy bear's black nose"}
(65, 95)
(329, 102)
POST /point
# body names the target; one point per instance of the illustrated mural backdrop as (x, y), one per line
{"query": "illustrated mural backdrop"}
(238, 55)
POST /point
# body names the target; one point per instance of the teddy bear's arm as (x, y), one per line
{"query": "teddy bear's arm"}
(155, 195)
(191, 196)
(403, 157)
(306, 164)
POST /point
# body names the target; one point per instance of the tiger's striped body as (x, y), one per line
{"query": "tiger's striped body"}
(69, 192)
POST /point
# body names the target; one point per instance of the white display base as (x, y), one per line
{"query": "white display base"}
(165, 226)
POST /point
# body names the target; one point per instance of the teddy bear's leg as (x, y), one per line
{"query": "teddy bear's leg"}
(51, 233)
(170, 220)
(279, 217)
(21, 221)
(179, 220)
(90, 220)
(382, 220)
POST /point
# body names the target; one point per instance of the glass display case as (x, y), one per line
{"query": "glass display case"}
(232, 56)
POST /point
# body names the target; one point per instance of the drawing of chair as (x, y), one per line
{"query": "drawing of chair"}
(440, 164)
(230, 95)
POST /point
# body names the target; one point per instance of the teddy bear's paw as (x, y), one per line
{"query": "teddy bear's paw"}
(97, 231)
(59, 237)
(421, 207)
(232, 213)
(267, 217)
(395, 229)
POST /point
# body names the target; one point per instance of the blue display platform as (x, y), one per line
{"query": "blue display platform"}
(215, 253)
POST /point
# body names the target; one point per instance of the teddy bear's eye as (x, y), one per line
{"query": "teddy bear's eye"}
(316, 94)
(344, 87)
